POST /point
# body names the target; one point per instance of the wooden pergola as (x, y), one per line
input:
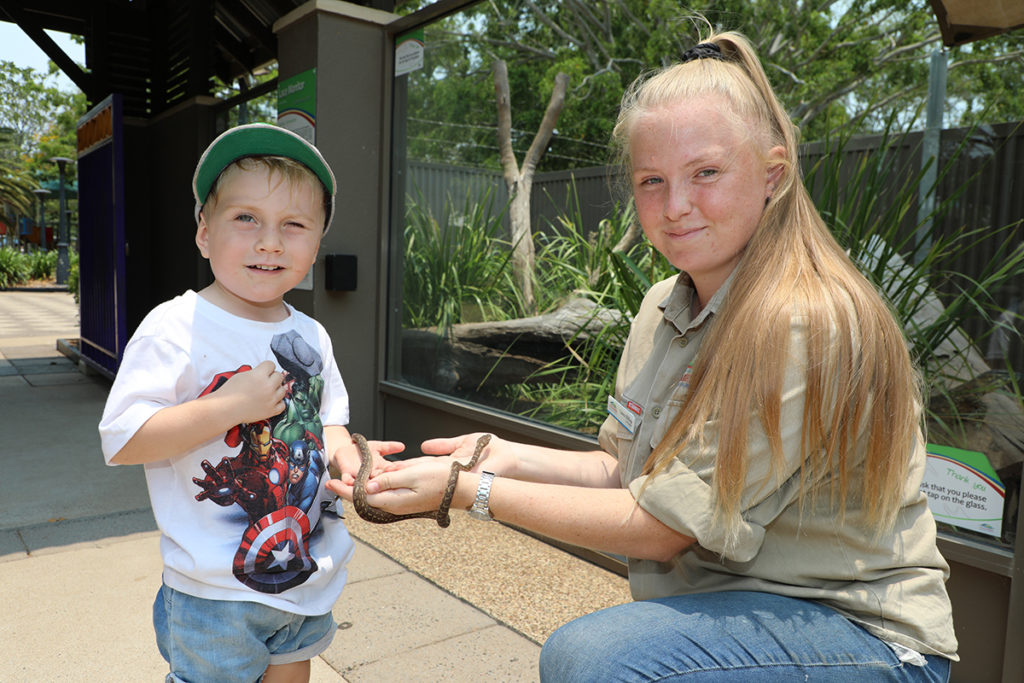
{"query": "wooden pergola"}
(156, 53)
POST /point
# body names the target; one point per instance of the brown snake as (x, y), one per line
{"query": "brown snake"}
(378, 516)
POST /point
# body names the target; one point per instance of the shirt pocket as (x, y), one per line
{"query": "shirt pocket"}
(629, 467)
(664, 414)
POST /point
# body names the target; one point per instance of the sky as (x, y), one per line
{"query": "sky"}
(17, 47)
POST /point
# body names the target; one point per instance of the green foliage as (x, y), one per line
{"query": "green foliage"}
(572, 392)
(835, 65)
(37, 123)
(840, 68)
(13, 268)
(15, 186)
(41, 264)
(573, 262)
(947, 315)
(455, 266)
(452, 267)
(262, 109)
(57, 138)
(911, 258)
(17, 268)
(28, 105)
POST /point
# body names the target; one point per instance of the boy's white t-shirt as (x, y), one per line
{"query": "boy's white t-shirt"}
(245, 516)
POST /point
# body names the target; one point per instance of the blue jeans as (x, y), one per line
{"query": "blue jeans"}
(232, 641)
(737, 636)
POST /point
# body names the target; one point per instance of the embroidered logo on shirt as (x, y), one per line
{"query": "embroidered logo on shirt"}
(684, 381)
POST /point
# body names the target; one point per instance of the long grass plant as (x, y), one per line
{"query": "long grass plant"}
(456, 265)
(14, 268)
(872, 204)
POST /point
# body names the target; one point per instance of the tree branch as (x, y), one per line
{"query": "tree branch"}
(501, 91)
(547, 124)
(632, 18)
(546, 20)
(521, 47)
(987, 60)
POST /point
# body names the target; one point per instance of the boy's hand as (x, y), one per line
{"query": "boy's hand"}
(253, 395)
(245, 397)
(348, 462)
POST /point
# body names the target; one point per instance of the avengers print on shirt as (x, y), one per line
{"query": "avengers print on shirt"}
(275, 475)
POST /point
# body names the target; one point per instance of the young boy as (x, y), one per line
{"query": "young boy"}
(232, 400)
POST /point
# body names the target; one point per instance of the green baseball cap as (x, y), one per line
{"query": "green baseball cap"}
(259, 139)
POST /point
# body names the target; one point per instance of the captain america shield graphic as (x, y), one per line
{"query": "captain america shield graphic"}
(272, 556)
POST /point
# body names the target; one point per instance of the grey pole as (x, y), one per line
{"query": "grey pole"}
(41, 193)
(63, 262)
(930, 152)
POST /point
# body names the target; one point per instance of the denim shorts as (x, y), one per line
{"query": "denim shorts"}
(227, 641)
(728, 637)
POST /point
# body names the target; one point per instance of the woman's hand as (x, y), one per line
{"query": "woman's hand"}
(411, 486)
(526, 462)
(418, 484)
(498, 454)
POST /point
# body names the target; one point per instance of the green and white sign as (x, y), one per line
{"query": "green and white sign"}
(296, 111)
(296, 104)
(409, 52)
(963, 490)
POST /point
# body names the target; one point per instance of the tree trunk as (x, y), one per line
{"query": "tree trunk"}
(519, 181)
(482, 356)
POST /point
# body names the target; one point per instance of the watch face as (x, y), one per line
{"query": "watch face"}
(482, 515)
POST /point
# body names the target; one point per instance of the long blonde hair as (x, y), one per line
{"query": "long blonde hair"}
(862, 401)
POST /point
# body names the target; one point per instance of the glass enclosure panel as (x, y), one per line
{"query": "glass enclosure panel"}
(537, 332)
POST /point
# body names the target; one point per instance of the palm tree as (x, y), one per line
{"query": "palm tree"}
(15, 186)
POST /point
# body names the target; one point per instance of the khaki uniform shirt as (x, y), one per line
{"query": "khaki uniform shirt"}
(894, 587)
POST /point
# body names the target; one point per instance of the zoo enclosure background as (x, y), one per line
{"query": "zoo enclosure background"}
(987, 170)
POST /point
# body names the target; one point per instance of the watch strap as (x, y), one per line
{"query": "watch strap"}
(481, 505)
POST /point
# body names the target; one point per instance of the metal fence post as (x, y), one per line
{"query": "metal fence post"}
(930, 152)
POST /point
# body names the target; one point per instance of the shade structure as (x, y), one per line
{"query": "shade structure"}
(964, 21)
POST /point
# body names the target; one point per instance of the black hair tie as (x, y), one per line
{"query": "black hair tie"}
(702, 51)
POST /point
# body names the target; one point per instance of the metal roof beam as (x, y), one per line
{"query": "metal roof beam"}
(84, 81)
(241, 14)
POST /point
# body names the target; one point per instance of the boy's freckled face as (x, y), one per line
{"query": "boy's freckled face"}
(261, 235)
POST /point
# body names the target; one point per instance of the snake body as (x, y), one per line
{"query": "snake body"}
(378, 516)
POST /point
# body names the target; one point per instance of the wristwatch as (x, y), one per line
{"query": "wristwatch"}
(481, 506)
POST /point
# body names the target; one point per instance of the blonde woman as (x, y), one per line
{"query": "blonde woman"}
(762, 458)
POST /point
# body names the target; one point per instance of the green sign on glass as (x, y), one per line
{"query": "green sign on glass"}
(296, 104)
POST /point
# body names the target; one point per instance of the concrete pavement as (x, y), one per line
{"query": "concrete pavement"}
(80, 564)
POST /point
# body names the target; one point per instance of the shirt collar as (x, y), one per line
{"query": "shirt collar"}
(676, 307)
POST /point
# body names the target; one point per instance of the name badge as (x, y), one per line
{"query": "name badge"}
(623, 415)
